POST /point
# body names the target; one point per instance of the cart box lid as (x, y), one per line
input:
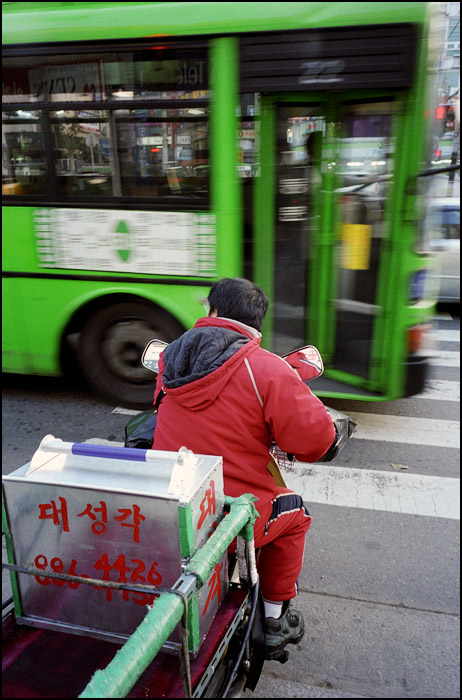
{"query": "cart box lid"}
(170, 475)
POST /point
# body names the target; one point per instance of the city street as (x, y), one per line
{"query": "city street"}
(290, 168)
(380, 585)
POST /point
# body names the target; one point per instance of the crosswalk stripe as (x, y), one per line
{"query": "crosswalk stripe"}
(446, 358)
(405, 429)
(446, 336)
(402, 429)
(440, 390)
(125, 411)
(413, 494)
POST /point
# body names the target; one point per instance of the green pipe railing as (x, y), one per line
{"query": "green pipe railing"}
(121, 674)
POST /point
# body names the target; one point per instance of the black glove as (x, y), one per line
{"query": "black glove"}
(344, 428)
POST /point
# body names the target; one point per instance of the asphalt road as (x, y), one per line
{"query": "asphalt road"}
(380, 584)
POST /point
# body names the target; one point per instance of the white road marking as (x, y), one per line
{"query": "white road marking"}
(126, 411)
(417, 431)
(403, 429)
(412, 494)
(350, 487)
(446, 358)
(446, 336)
(440, 390)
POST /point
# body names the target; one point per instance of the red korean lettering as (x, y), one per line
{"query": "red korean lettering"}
(99, 526)
(154, 577)
(103, 565)
(120, 566)
(57, 566)
(55, 513)
(72, 572)
(208, 504)
(137, 518)
(41, 562)
(136, 576)
(215, 586)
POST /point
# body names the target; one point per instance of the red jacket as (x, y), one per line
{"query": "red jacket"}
(211, 405)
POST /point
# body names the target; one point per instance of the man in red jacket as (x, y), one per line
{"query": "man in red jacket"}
(225, 395)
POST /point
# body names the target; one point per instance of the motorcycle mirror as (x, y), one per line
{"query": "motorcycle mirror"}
(306, 361)
(151, 354)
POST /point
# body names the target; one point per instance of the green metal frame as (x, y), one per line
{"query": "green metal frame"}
(225, 187)
(186, 530)
(117, 679)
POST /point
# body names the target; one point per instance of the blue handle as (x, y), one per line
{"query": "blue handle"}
(109, 451)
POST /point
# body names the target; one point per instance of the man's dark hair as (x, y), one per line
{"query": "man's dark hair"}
(240, 300)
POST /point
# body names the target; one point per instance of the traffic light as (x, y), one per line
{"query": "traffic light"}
(441, 111)
(444, 119)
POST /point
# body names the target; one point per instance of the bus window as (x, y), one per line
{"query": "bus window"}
(83, 153)
(154, 73)
(247, 135)
(163, 154)
(52, 79)
(23, 157)
(128, 123)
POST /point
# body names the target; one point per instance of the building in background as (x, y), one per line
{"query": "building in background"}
(449, 57)
(448, 86)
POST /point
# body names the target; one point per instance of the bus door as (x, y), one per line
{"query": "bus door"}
(319, 223)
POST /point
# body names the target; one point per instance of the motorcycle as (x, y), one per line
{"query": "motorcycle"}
(233, 652)
(139, 433)
(305, 361)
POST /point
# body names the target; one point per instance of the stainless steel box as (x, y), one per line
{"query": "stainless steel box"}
(99, 512)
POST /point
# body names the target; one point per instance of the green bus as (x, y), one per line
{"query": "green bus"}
(149, 149)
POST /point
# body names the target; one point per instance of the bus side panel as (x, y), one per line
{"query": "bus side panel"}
(52, 303)
(16, 356)
(19, 247)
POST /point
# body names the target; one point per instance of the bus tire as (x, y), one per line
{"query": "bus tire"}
(110, 349)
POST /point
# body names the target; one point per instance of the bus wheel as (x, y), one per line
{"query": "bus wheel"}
(111, 345)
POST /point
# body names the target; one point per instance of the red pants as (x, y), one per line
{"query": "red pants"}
(280, 534)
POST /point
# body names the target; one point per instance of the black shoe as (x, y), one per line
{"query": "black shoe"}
(288, 629)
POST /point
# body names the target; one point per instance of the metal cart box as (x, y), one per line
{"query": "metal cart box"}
(114, 514)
